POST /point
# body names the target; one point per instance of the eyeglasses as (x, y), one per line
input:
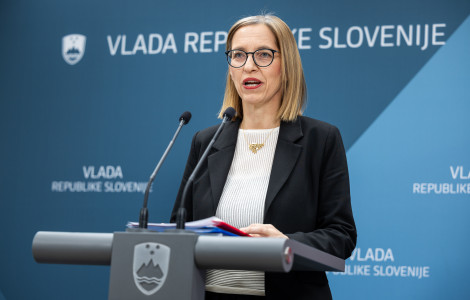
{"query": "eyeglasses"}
(261, 57)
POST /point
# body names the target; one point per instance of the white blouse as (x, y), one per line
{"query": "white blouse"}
(242, 204)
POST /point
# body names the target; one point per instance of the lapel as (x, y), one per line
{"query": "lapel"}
(285, 157)
(220, 161)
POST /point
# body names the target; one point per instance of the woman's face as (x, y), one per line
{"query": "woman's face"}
(258, 87)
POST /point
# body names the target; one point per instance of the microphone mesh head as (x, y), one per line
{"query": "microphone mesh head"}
(185, 117)
(229, 113)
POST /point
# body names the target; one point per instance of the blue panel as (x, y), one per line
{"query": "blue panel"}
(410, 175)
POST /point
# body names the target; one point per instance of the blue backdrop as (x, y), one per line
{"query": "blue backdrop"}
(91, 92)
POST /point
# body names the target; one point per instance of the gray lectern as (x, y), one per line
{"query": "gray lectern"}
(171, 265)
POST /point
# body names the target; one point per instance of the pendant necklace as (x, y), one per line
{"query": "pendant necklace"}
(254, 147)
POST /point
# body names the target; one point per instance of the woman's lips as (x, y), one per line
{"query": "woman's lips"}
(251, 83)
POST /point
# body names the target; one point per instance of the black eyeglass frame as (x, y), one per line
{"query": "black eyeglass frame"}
(252, 56)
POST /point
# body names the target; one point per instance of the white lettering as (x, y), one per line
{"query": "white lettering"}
(113, 46)
(123, 46)
(336, 37)
(139, 45)
(376, 254)
(441, 188)
(360, 37)
(454, 172)
(426, 37)
(220, 39)
(159, 39)
(418, 272)
(418, 35)
(170, 44)
(407, 38)
(371, 40)
(124, 187)
(205, 41)
(190, 39)
(328, 39)
(108, 172)
(462, 175)
(87, 171)
(382, 36)
(76, 186)
(303, 38)
(385, 35)
(435, 34)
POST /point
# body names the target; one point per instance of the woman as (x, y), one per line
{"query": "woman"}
(271, 172)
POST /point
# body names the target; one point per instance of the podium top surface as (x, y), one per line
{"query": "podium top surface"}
(245, 253)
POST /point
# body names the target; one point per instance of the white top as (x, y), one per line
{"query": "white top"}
(242, 204)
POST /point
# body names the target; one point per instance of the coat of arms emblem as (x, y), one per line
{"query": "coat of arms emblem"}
(150, 267)
(73, 48)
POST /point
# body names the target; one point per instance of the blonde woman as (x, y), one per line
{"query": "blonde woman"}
(272, 172)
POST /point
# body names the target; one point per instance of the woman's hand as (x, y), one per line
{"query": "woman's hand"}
(263, 230)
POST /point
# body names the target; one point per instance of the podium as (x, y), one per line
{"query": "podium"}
(172, 264)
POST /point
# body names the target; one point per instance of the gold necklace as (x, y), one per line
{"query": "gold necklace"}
(256, 147)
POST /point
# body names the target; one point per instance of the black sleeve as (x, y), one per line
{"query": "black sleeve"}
(335, 231)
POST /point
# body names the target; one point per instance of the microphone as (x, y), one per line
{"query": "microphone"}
(229, 113)
(144, 217)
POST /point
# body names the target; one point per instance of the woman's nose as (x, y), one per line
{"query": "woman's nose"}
(250, 63)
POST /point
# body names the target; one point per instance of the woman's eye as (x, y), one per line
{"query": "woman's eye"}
(264, 54)
(238, 55)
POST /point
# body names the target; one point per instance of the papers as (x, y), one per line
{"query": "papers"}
(212, 225)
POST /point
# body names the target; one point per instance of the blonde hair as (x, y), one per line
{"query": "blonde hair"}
(294, 89)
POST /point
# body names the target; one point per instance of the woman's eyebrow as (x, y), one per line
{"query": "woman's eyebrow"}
(258, 48)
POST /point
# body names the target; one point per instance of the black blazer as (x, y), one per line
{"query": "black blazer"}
(307, 199)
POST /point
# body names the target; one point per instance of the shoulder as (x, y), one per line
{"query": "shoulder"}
(200, 141)
(205, 134)
(229, 132)
(313, 128)
(308, 123)
(316, 134)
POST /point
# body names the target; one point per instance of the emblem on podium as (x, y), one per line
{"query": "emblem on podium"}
(150, 266)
